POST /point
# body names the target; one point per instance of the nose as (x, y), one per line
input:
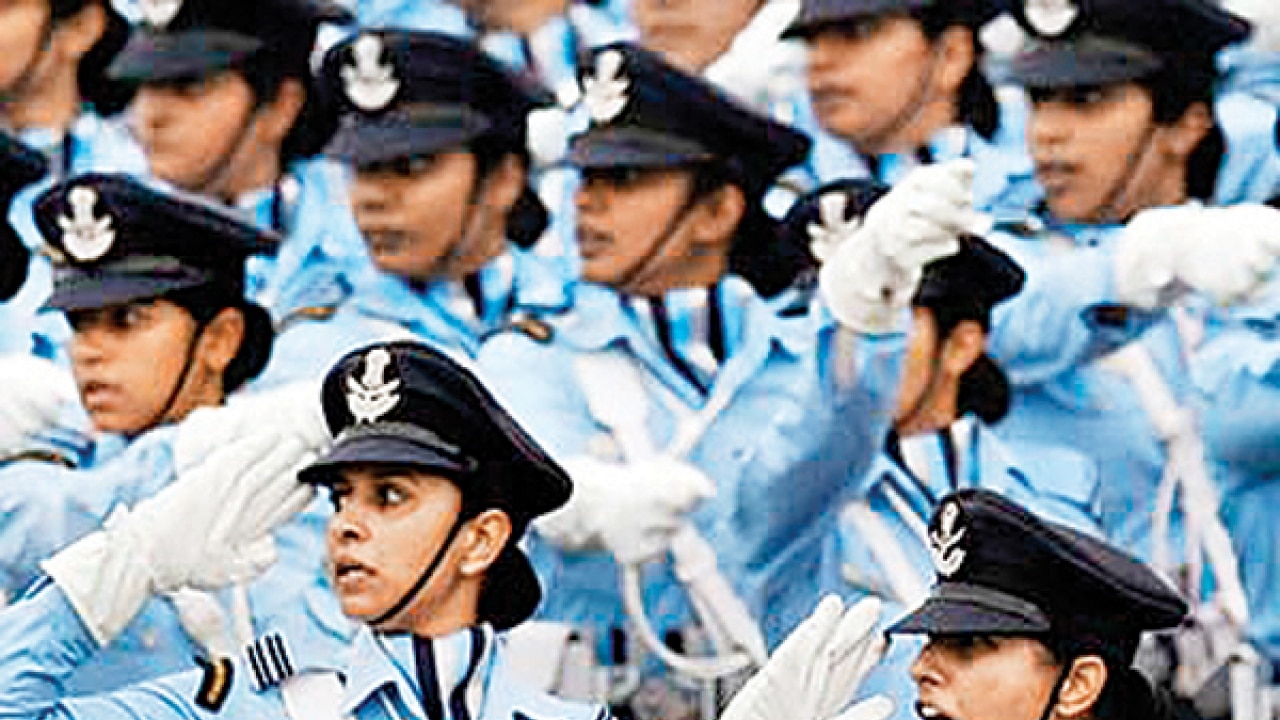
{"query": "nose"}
(589, 196)
(346, 526)
(150, 110)
(822, 56)
(370, 195)
(925, 669)
(87, 347)
(1048, 125)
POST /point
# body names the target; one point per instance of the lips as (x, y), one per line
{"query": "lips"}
(925, 711)
(386, 242)
(592, 243)
(348, 574)
(1055, 176)
(96, 394)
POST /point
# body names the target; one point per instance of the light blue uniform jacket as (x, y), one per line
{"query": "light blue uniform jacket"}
(1051, 340)
(779, 453)
(1237, 373)
(43, 644)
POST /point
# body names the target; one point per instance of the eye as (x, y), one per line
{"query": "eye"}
(390, 495)
(403, 167)
(128, 317)
(619, 177)
(337, 494)
(860, 29)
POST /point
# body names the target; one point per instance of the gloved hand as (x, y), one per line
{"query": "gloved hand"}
(292, 410)
(36, 392)
(1264, 15)
(208, 529)
(631, 510)
(1227, 253)
(816, 671)
(869, 280)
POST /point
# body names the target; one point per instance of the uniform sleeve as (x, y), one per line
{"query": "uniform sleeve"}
(1065, 316)
(1237, 377)
(534, 381)
(43, 642)
(45, 507)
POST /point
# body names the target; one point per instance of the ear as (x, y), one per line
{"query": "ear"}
(276, 119)
(221, 339)
(1082, 687)
(505, 184)
(717, 219)
(76, 35)
(1182, 136)
(484, 539)
(963, 347)
(956, 57)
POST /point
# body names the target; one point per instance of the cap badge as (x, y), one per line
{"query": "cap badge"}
(1051, 18)
(832, 228)
(85, 237)
(159, 13)
(606, 93)
(944, 542)
(373, 395)
(370, 84)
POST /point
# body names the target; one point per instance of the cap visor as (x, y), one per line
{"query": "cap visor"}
(602, 148)
(154, 57)
(815, 16)
(381, 449)
(88, 291)
(961, 609)
(368, 141)
(1052, 65)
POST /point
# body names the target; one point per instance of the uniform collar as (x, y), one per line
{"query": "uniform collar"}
(459, 665)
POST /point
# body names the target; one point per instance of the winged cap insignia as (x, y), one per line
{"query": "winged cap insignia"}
(832, 229)
(369, 83)
(159, 13)
(373, 395)
(85, 236)
(1051, 18)
(605, 93)
(943, 542)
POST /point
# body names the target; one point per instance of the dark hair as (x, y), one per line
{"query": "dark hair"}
(204, 302)
(977, 106)
(758, 253)
(984, 389)
(1173, 91)
(1127, 694)
(106, 96)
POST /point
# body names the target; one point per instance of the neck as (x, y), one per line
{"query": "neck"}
(260, 171)
(54, 105)
(937, 414)
(916, 131)
(523, 16)
(694, 270)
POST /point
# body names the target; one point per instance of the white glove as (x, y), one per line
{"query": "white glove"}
(292, 411)
(1227, 253)
(630, 510)
(816, 671)
(208, 529)
(36, 393)
(1264, 15)
(869, 280)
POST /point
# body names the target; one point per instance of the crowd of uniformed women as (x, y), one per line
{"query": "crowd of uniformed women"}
(764, 281)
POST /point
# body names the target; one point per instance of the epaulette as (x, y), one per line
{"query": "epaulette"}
(1026, 229)
(310, 313)
(269, 660)
(215, 683)
(535, 328)
(45, 456)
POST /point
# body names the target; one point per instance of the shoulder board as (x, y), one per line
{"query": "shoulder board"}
(215, 683)
(311, 313)
(44, 456)
(1022, 229)
(535, 328)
